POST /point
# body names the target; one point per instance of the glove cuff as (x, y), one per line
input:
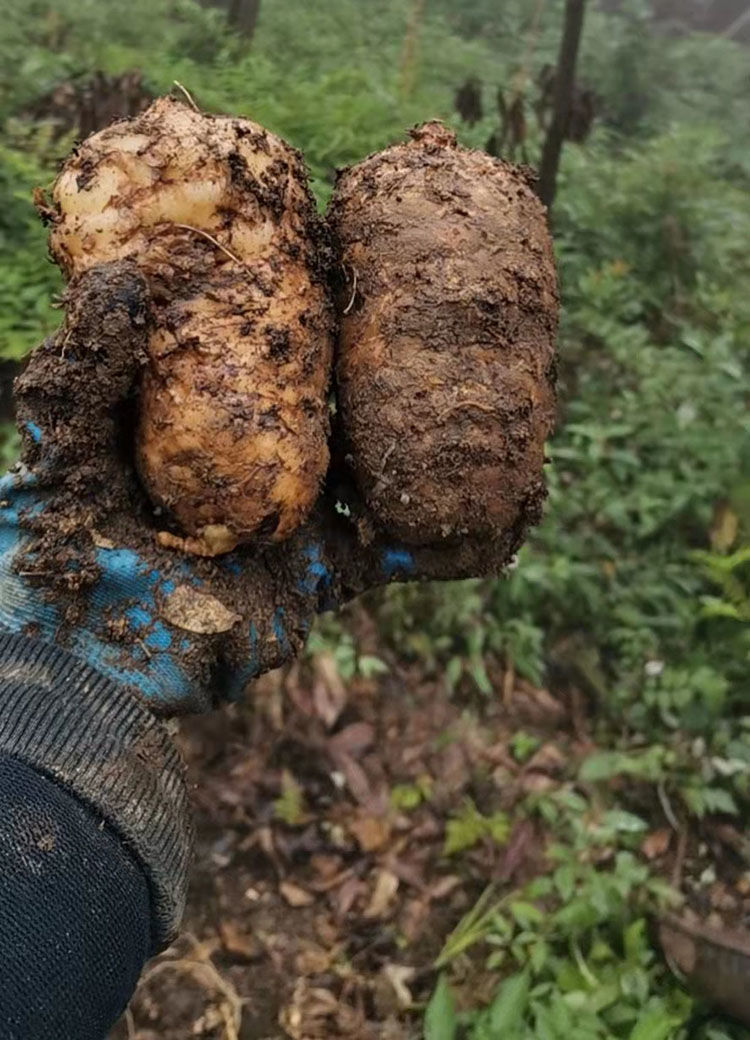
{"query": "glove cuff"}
(95, 738)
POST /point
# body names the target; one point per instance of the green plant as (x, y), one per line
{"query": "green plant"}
(328, 637)
(624, 593)
(289, 807)
(9, 445)
(572, 943)
(468, 826)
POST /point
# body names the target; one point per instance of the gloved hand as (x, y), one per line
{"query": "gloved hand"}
(79, 562)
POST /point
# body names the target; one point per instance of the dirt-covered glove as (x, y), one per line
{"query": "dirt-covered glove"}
(80, 564)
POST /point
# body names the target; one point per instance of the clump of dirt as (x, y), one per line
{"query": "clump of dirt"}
(70, 403)
(77, 412)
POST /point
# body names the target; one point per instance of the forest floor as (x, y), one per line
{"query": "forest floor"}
(324, 886)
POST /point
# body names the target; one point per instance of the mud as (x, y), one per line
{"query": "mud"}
(445, 363)
(77, 407)
(219, 217)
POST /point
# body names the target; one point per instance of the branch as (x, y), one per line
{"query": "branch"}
(566, 71)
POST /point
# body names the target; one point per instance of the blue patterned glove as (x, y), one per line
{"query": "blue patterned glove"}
(79, 562)
(177, 631)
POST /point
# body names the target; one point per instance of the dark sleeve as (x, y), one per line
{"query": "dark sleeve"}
(75, 913)
(94, 844)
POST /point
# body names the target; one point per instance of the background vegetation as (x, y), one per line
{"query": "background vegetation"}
(635, 592)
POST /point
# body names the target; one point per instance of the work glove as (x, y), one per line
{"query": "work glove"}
(80, 563)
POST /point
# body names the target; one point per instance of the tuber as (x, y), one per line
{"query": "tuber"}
(233, 419)
(446, 351)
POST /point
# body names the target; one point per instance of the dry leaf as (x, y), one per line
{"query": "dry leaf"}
(386, 886)
(329, 692)
(656, 843)
(536, 706)
(398, 975)
(536, 783)
(313, 960)
(194, 611)
(355, 777)
(517, 848)
(325, 866)
(353, 739)
(294, 895)
(326, 930)
(548, 759)
(343, 898)
(721, 898)
(371, 832)
(413, 917)
(408, 871)
(236, 942)
(443, 886)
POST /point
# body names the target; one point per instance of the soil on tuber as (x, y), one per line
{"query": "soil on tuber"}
(446, 351)
(216, 212)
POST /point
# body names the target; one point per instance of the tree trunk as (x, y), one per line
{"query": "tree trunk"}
(737, 26)
(243, 16)
(566, 72)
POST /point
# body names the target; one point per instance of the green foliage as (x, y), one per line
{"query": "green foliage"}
(289, 807)
(573, 944)
(9, 445)
(523, 745)
(440, 1018)
(27, 279)
(624, 592)
(731, 573)
(468, 827)
(328, 638)
(405, 797)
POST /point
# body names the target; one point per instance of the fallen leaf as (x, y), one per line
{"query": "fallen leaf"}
(313, 960)
(413, 918)
(238, 943)
(386, 886)
(294, 895)
(371, 832)
(325, 866)
(516, 849)
(536, 783)
(656, 843)
(326, 930)
(443, 886)
(353, 739)
(398, 975)
(548, 759)
(355, 777)
(536, 706)
(721, 898)
(343, 898)
(195, 611)
(329, 692)
(409, 872)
